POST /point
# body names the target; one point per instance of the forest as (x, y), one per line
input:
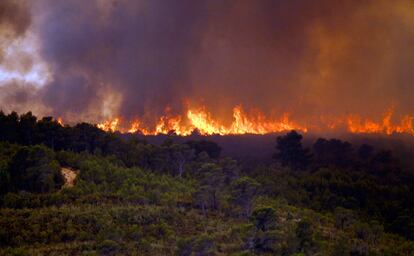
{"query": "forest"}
(185, 197)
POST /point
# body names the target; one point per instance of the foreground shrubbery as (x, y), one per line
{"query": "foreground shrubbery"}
(184, 199)
(114, 210)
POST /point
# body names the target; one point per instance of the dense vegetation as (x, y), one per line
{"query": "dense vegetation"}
(135, 198)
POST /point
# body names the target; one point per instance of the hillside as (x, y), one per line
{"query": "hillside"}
(131, 197)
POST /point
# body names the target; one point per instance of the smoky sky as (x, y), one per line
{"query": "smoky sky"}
(14, 21)
(14, 17)
(136, 58)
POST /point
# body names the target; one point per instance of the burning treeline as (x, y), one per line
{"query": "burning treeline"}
(201, 121)
(307, 65)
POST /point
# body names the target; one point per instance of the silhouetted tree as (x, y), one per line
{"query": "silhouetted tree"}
(87, 137)
(27, 128)
(290, 151)
(9, 127)
(50, 133)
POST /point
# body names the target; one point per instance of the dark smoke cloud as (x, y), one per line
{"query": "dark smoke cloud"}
(134, 58)
(15, 19)
(138, 49)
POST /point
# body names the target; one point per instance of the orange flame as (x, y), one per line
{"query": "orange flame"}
(135, 126)
(247, 123)
(109, 126)
(201, 120)
(357, 125)
(60, 121)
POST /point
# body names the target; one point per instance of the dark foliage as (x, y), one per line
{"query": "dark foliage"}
(290, 151)
(34, 169)
(212, 149)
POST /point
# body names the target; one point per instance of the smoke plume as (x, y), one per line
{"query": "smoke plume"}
(14, 21)
(136, 58)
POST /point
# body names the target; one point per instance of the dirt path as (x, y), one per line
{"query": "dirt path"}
(70, 176)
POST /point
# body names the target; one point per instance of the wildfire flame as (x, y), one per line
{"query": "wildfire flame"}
(110, 126)
(60, 121)
(357, 125)
(198, 119)
(201, 120)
